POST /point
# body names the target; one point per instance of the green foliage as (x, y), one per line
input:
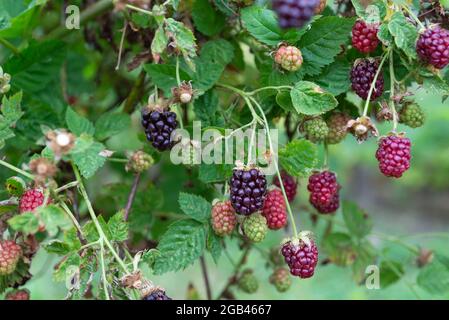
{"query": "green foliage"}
(310, 99)
(405, 35)
(298, 157)
(195, 207)
(206, 19)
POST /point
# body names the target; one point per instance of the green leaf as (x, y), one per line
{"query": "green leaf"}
(434, 277)
(37, 66)
(213, 173)
(357, 221)
(384, 34)
(67, 268)
(57, 247)
(335, 77)
(339, 248)
(164, 76)
(86, 155)
(206, 109)
(25, 222)
(404, 33)
(53, 218)
(110, 124)
(284, 100)
(372, 12)
(180, 246)
(299, 157)
(182, 38)
(160, 41)
(77, 124)
(365, 256)
(309, 99)
(214, 57)
(323, 42)
(195, 206)
(390, 272)
(207, 20)
(263, 25)
(17, 18)
(214, 245)
(118, 227)
(11, 107)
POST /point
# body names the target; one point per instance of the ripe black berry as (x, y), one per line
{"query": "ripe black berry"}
(294, 13)
(362, 76)
(248, 189)
(159, 125)
(157, 294)
(433, 46)
(322, 186)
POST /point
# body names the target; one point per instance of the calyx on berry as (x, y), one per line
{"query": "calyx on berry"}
(362, 128)
(184, 93)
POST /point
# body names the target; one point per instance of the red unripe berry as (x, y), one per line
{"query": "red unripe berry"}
(274, 209)
(364, 36)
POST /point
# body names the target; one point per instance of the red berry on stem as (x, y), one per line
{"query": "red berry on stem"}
(433, 46)
(31, 199)
(301, 257)
(274, 209)
(290, 185)
(223, 217)
(322, 186)
(394, 155)
(364, 36)
(10, 253)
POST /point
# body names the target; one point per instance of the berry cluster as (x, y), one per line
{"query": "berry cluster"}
(32, 199)
(224, 219)
(274, 210)
(288, 57)
(364, 36)
(315, 129)
(10, 254)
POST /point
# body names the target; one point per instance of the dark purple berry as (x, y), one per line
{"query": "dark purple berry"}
(294, 13)
(157, 294)
(433, 46)
(290, 185)
(362, 76)
(248, 189)
(159, 126)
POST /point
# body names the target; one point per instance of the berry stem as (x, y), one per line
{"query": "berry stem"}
(373, 84)
(67, 186)
(118, 160)
(103, 271)
(100, 231)
(129, 6)
(10, 46)
(392, 82)
(278, 88)
(281, 183)
(178, 78)
(206, 278)
(326, 156)
(72, 217)
(120, 49)
(132, 196)
(14, 168)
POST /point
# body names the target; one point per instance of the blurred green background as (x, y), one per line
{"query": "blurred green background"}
(415, 207)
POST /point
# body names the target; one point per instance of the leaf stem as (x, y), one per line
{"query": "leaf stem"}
(414, 17)
(129, 6)
(373, 84)
(132, 195)
(278, 88)
(206, 278)
(95, 220)
(66, 186)
(103, 270)
(14, 168)
(392, 82)
(10, 46)
(281, 183)
(72, 217)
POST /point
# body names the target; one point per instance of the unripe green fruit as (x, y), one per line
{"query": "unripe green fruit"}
(255, 227)
(315, 130)
(412, 115)
(248, 282)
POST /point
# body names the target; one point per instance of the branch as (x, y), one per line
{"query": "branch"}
(206, 278)
(136, 93)
(233, 279)
(132, 195)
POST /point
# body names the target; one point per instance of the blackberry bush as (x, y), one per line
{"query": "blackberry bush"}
(117, 134)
